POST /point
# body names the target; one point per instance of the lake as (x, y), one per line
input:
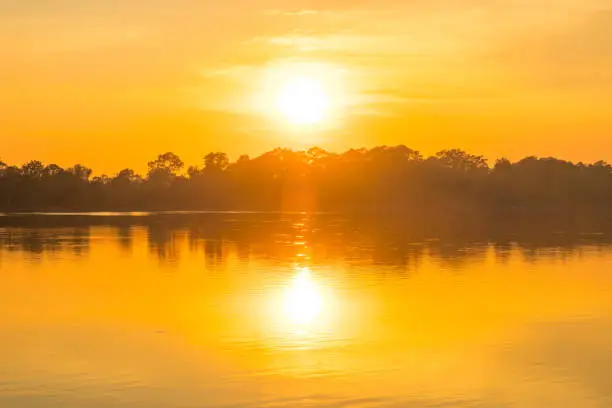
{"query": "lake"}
(297, 310)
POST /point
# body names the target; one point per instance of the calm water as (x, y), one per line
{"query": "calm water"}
(256, 310)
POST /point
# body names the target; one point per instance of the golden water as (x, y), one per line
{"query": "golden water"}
(296, 311)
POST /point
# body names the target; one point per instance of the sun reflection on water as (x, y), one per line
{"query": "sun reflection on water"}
(303, 301)
(301, 312)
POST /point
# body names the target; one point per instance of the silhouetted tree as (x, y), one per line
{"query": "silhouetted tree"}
(126, 177)
(457, 159)
(33, 170)
(384, 179)
(52, 170)
(168, 164)
(216, 161)
(80, 172)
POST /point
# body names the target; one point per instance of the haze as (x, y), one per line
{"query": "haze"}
(113, 83)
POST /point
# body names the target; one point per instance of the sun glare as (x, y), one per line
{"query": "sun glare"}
(302, 94)
(303, 301)
(303, 101)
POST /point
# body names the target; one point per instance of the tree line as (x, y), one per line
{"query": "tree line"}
(383, 180)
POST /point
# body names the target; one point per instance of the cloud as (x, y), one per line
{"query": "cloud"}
(298, 13)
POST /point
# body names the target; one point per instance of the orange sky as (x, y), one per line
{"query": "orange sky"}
(112, 83)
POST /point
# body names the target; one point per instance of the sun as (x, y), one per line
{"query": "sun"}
(303, 101)
(302, 95)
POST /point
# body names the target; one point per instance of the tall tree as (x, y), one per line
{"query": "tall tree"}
(168, 163)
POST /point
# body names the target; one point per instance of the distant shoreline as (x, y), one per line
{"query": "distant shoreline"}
(381, 182)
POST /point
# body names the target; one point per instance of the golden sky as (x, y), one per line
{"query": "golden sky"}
(112, 83)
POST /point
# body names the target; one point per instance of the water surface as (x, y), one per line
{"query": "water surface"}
(272, 310)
